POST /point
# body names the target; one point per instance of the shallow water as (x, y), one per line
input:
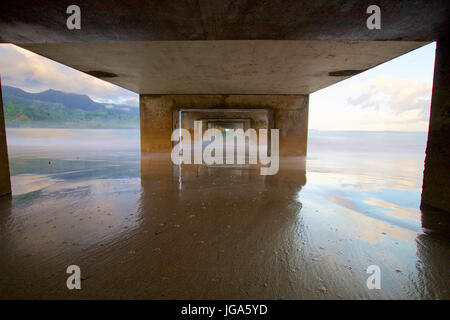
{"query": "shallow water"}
(141, 228)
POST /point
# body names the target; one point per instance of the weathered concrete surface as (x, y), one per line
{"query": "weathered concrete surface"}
(224, 67)
(156, 124)
(5, 182)
(436, 179)
(148, 20)
(290, 114)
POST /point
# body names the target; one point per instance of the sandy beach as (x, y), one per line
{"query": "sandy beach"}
(141, 228)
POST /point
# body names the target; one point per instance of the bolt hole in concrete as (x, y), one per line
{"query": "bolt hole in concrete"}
(139, 227)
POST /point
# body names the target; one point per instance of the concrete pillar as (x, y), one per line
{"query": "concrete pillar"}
(156, 124)
(436, 179)
(5, 182)
(290, 116)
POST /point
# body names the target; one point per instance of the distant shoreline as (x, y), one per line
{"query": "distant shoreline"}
(76, 128)
(137, 128)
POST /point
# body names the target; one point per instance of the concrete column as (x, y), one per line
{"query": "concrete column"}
(290, 116)
(436, 179)
(5, 182)
(156, 124)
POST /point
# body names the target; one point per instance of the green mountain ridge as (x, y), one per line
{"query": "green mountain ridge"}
(57, 109)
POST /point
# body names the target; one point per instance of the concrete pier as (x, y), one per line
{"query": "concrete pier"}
(436, 179)
(5, 182)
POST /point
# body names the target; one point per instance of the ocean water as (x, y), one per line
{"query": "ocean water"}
(145, 229)
(376, 173)
(373, 173)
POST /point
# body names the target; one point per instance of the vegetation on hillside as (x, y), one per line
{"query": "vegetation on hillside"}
(25, 112)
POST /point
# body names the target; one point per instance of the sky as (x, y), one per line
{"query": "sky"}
(394, 96)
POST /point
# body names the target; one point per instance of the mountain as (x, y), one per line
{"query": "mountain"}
(57, 109)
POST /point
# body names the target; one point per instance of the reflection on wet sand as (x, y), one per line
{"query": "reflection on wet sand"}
(148, 229)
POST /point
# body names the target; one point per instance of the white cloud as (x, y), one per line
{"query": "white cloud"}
(395, 96)
(399, 94)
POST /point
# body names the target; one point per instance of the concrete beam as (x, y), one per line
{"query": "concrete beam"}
(155, 20)
(436, 179)
(224, 67)
(290, 114)
(5, 181)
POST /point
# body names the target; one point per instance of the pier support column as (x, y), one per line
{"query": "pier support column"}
(5, 181)
(156, 124)
(436, 178)
(290, 116)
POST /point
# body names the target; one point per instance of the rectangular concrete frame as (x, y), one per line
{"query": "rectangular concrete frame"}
(251, 118)
(290, 116)
(241, 123)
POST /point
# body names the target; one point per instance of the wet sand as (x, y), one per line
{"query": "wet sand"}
(140, 228)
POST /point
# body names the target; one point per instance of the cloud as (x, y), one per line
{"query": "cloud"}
(397, 94)
(31, 72)
(373, 103)
(410, 98)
